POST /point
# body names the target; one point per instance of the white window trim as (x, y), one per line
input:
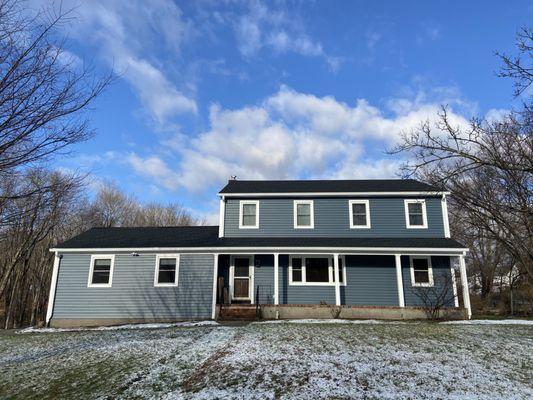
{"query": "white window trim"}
(312, 214)
(367, 212)
(156, 273)
(241, 205)
(430, 272)
(424, 214)
(304, 282)
(95, 257)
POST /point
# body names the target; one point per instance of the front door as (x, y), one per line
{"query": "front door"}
(242, 278)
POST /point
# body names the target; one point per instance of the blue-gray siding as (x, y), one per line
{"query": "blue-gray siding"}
(441, 278)
(371, 280)
(133, 294)
(331, 219)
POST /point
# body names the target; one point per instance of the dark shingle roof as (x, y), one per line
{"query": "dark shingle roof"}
(327, 186)
(207, 236)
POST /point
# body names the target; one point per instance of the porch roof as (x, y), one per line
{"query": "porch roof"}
(206, 237)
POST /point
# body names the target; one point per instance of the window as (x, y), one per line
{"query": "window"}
(421, 271)
(101, 271)
(303, 214)
(249, 215)
(359, 214)
(297, 270)
(415, 214)
(315, 271)
(166, 270)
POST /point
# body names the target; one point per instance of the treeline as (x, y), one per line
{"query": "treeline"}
(56, 207)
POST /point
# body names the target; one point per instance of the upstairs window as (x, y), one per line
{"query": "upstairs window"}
(359, 214)
(101, 272)
(249, 215)
(166, 270)
(415, 214)
(303, 214)
(421, 271)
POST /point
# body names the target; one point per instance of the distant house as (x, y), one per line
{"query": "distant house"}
(287, 249)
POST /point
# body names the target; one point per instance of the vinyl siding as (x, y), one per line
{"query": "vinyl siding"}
(264, 278)
(441, 274)
(331, 219)
(371, 280)
(290, 294)
(133, 294)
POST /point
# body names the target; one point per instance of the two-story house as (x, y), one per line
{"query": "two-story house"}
(289, 249)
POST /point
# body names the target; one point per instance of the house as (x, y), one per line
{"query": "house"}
(291, 249)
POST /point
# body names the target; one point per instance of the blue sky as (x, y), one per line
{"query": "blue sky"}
(209, 89)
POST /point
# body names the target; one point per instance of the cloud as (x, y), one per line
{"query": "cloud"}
(290, 135)
(274, 29)
(132, 37)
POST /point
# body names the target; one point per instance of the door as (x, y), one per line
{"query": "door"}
(242, 278)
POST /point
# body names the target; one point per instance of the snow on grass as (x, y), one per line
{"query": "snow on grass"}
(491, 322)
(119, 327)
(282, 360)
(329, 321)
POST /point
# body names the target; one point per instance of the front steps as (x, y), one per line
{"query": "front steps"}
(238, 312)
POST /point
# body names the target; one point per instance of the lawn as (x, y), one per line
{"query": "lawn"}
(273, 360)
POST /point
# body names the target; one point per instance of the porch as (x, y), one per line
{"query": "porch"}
(349, 284)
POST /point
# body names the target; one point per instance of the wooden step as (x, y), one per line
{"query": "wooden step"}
(241, 312)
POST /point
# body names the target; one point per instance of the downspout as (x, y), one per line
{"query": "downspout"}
(53, 288)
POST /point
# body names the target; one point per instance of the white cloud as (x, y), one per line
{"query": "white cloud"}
(126, 33)
(274, 29)
(291, 135)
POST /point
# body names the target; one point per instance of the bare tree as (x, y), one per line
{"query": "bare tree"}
(437, 297)
(488, 165)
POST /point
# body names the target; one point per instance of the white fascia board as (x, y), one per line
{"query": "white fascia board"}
(273, 249)
(330, 194)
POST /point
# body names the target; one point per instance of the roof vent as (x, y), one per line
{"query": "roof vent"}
(233, 178)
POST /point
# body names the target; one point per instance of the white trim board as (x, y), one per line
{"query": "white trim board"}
(95, 257)
(251, 292)
(176, 274)
(271, 249)
(424, 214)
(412, 271)
(331, 272)
(367, 213)
(332, 194)
(242, 203)
(311, 204)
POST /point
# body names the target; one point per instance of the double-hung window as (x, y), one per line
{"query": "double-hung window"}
(101, 271)
(249, 214)
(166, 270)
(415, 214)
(359, 214)
(314, 271)
(421, 271)
(303, 214)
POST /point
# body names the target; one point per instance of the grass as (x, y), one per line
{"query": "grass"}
(390, 360)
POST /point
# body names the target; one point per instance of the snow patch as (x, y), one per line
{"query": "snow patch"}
(329, 321)
(490, 322)
(120, 327)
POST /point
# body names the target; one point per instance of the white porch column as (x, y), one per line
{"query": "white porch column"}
(53, 285)
(464, 281)
(276, 279)
(336, 279)
(399, 280)
(215, 281)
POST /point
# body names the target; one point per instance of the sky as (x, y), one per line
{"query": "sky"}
(275, 90)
